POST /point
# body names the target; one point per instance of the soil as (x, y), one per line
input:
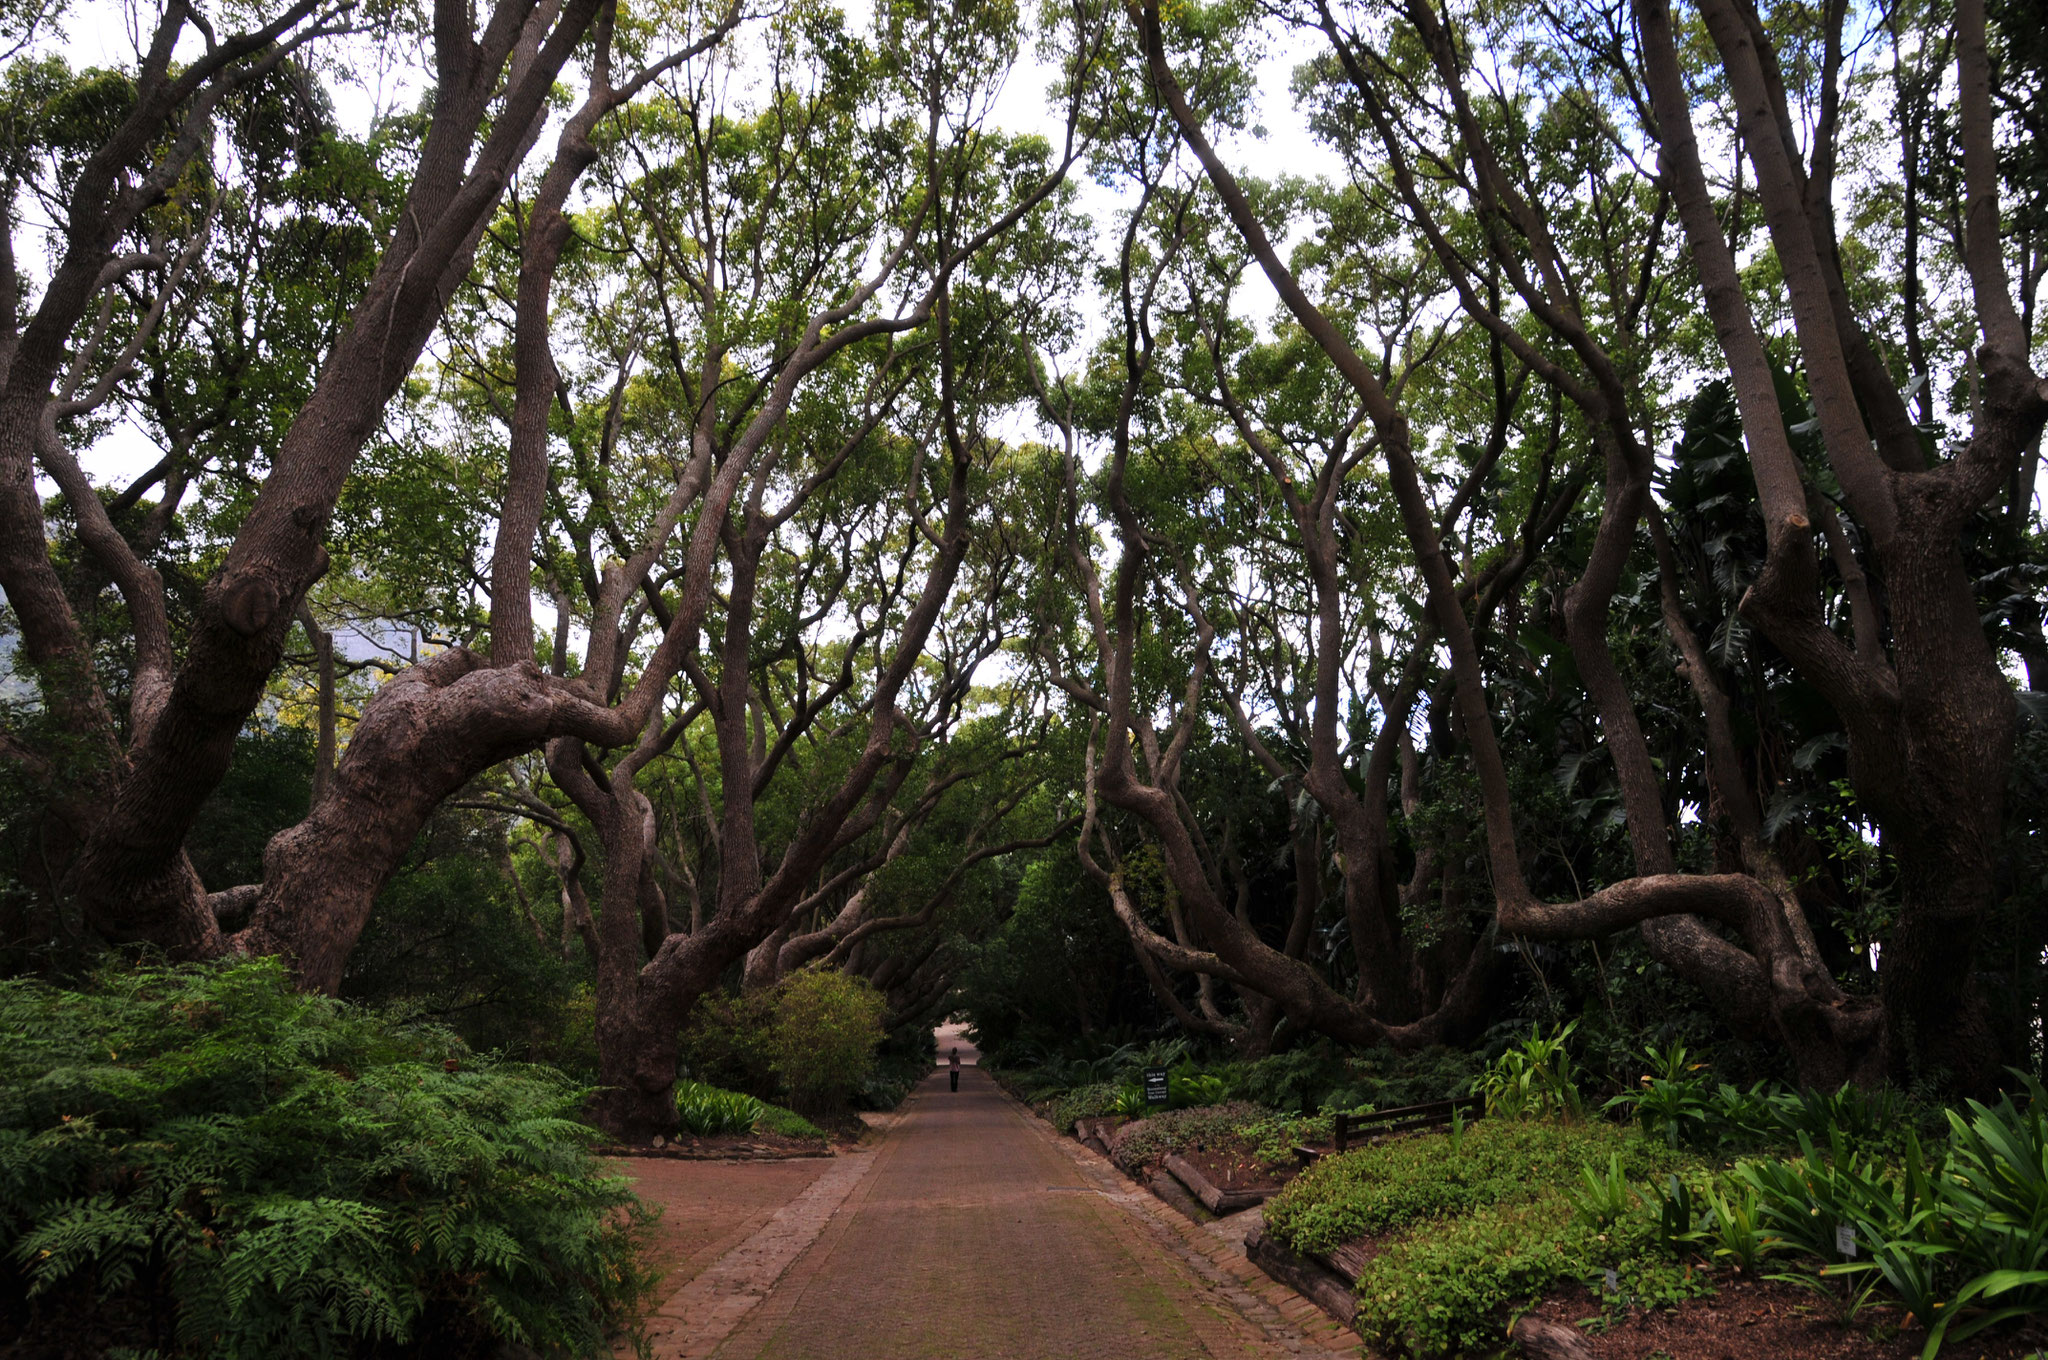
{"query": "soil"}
(1233, 1168)
(1751, 1319)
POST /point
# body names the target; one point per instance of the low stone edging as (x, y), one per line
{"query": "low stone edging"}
(681, 1153)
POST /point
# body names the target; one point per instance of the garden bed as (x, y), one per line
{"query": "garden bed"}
(1752, 1319)
(1225, 1181)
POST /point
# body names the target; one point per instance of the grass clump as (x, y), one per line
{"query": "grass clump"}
(205, 1162)
(1376, 1190)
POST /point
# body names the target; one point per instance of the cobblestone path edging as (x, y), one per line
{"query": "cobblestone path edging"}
(704, 1312)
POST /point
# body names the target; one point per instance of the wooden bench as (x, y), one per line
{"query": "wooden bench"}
(1366, 1128)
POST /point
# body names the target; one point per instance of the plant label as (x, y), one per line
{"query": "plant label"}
(1845, 1241)
(1155, 1086)
(1612, 1282)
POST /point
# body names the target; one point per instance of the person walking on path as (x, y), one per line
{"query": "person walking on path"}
(954, 1058)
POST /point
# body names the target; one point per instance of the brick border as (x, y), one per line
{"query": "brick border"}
(698, 1318)
(1288, 1320)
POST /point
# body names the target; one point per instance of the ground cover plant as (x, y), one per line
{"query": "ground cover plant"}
(1151, 1140)
(1447, 1286)
(1434, 1176)
(204, 1161)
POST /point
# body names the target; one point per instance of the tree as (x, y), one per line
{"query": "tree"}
(123, 795)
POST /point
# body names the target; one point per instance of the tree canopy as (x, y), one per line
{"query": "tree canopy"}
(689, 494)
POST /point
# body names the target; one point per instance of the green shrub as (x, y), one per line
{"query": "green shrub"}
(1084, 1102)
(1450, 1287)
(1375, 1190)
(1295, 1080)
(708, 1111)
(900, 1064)
(810, 1039)
(1385, 1080)
(827, 1027)
(207, 1162)
(725, 1042)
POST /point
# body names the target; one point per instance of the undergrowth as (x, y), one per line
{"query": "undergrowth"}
(786, 1124)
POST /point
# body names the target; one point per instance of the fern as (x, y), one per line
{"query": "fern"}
(221, 1166)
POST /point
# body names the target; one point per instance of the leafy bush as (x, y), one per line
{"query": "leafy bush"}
(827, 1027)
(708, 1111)
(811, 1038)
(1385, 1080)
(1195, 1088)
(1315, 1077)
(205, 1162)
(1448, 1287)
(1084, 1102)
(1375, 1190)
(1295, 1080)
(1672, 1103)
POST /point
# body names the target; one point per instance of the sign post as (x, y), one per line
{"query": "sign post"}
(1155, 1086)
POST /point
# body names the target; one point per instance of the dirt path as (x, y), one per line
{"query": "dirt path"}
(972, 1233)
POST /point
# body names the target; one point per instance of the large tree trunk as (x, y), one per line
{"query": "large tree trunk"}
(1943, 822)
(131, 878)
(424, 735)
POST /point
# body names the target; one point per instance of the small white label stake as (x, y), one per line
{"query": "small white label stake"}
(1845, 1241)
